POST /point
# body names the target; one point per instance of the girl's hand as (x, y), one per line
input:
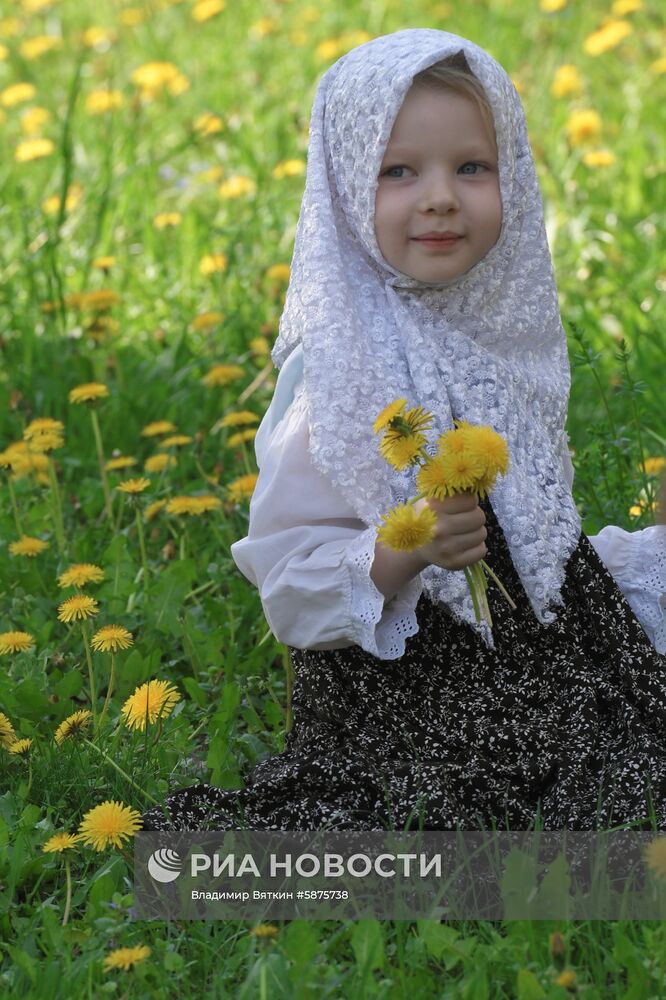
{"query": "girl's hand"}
(460, 531)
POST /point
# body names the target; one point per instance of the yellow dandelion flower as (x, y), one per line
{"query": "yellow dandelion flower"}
(653, 466)
(154, 75)
(121, 462)
(73, 726)
(490, 447)
(152, 700)
(264, 26)
(111, 638)
(279, 272)
(20, 747)
(125, 958)
(658, 66)
(164, 219)
(222, 375)
(133, 485)
(98, 102)
(96, 37)
(289, 168)
(60, 842)
(388, 413)
(566, 81)
(33, 48)
(213, 263)
(17, 93)
(622, 7)
(15, 642)
(28, 546)
(184, 505)
(430, 478)
(153, 508)
(260, 346)
(88, 392)
(77, 608)
(81, 574)
(242, 436)
(158, 463)
(599, 158)
(205, 9)
(238, 418)
(583, 126)
(205, 321)
(109, 823)
(33, 149)
(400, 451)
(404, 529)
(242, 488)
(207, 503)
(208, 124)
(237, 186)
(104, 263)
(264, 931)
(158, 427)
(655, 857)
(606, 38)
(566, 978)
(461, 472)
(42, 425)
(33, 120)
(552, 6)
(46, 442)
(7, 734)
(175, 441)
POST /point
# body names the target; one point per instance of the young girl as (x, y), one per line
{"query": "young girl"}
(407, 713)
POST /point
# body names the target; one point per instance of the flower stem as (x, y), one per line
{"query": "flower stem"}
(68, 899)
(120, 771)
(17, 519)
(142, 546)
(57, 508)
(91, 673)
(496, 579)
(100, 458)
(110, 687)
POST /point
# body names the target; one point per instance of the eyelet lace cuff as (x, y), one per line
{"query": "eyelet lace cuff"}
(380, 629)
(647, 586)
(637, 560)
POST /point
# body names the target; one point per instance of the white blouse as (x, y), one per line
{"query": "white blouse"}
(310, 556)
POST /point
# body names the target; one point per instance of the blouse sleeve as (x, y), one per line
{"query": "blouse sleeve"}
(310, 555)
(637, 562)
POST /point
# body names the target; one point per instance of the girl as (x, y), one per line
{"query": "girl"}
(406, 712)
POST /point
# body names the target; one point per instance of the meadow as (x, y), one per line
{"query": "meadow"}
(154, 162)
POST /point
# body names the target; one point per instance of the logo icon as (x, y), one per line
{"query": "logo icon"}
(164, 865)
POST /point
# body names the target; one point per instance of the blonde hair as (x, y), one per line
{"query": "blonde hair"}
(454, 74)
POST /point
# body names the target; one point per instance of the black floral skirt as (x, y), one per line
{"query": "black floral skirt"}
(561, 725)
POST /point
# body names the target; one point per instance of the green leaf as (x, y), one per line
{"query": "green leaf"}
(367, 941)
(528, 986)
(167, 596)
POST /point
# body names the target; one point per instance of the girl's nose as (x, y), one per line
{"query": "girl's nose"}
(438, 192)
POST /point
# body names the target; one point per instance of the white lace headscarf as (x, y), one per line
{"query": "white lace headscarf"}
(487, 347)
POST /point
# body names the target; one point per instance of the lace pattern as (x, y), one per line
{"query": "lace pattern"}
(637, 560)
(488, 346)
(382, 627)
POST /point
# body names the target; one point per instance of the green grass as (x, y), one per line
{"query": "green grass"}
(195, 620)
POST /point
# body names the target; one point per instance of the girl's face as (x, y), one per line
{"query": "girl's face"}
(439, 173)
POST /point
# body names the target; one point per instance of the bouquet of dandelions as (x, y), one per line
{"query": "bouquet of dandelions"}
(468, 460)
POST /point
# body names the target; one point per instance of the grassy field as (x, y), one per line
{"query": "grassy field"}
(151, 182)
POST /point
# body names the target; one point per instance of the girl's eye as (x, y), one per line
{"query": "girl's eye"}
(471, 163)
